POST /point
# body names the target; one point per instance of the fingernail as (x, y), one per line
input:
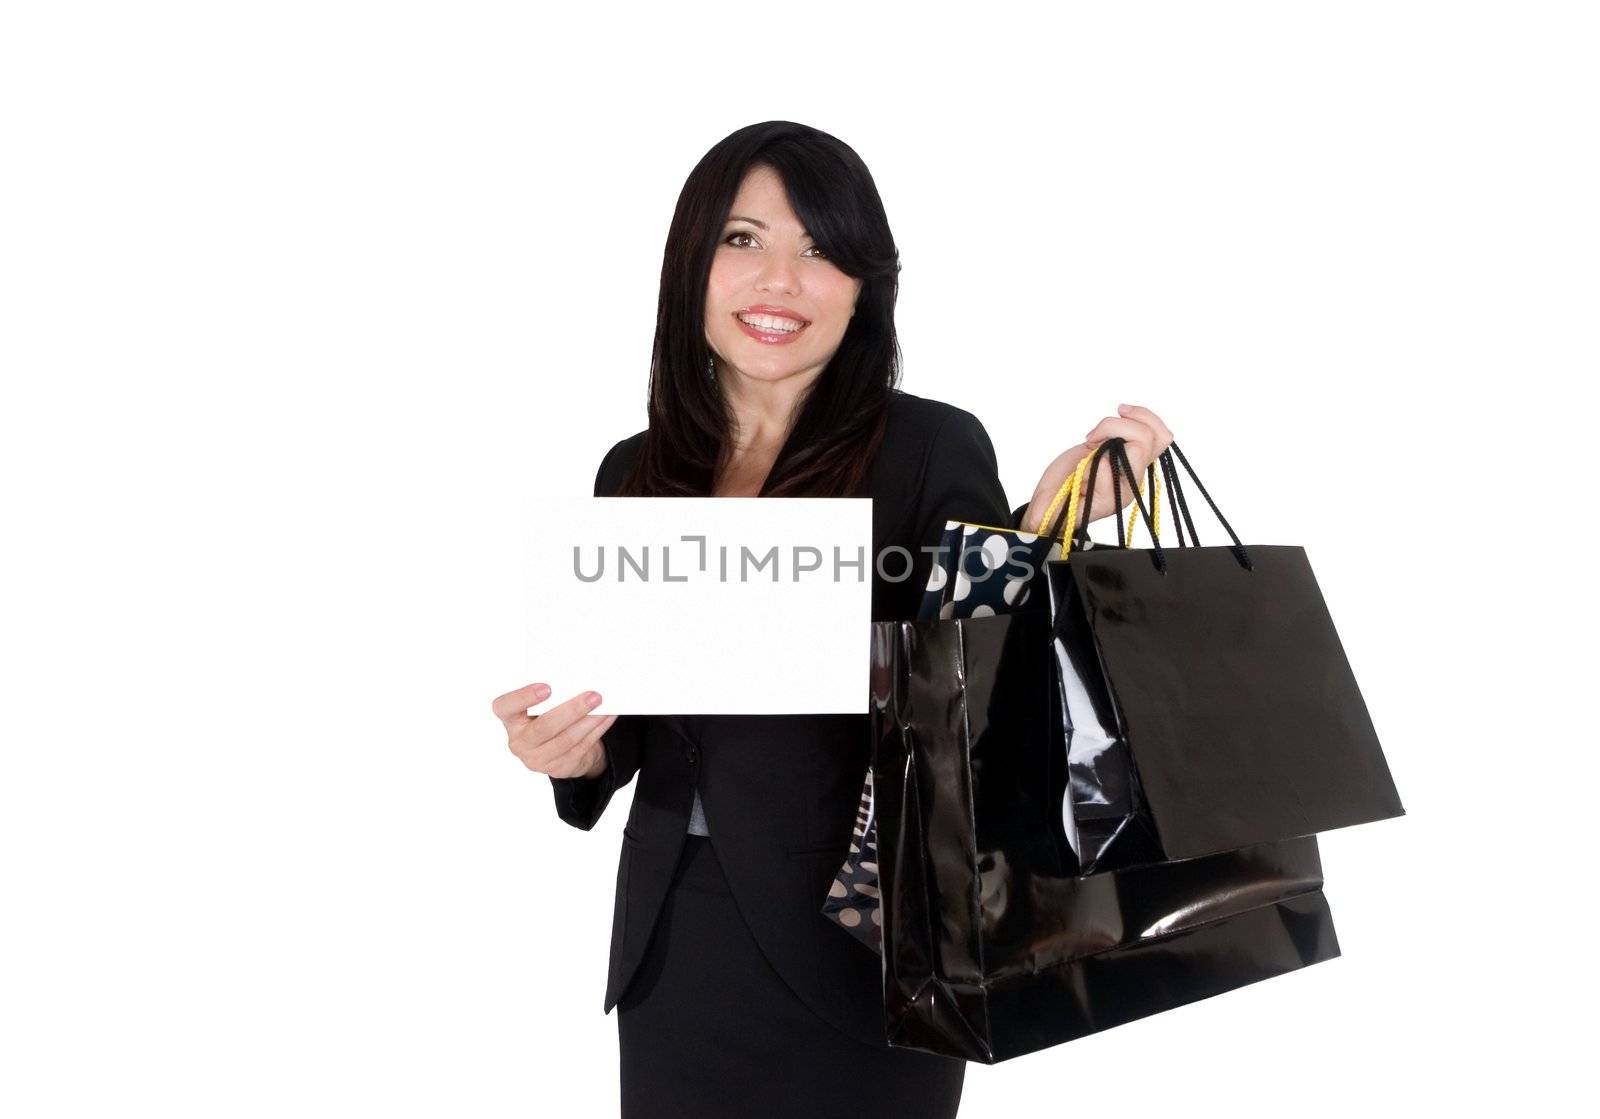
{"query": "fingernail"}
(1123, 407)
(593, 700)
(542, 690)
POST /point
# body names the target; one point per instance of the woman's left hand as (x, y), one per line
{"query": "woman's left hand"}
(1146, 437)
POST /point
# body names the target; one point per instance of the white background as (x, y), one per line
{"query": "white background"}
(306, 306)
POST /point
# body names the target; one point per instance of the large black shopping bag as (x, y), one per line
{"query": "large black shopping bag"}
(993, 946)
(979, 571)
(1205, 696)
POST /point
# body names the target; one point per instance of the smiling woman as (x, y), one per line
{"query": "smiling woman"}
(768, 353)
(775, 373)
(779, 265)
(777, 256)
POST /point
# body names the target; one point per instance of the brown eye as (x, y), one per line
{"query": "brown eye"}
(819, 252)
(728, 240)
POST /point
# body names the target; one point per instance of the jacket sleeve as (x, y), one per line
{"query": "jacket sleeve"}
(581, 800)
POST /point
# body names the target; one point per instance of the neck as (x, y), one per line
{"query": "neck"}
(762, 410)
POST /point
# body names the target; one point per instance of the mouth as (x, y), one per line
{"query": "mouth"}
(770, 327)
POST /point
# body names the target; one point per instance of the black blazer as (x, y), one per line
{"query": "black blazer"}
(780, 791)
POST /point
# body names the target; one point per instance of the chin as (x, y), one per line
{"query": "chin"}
(757, 373)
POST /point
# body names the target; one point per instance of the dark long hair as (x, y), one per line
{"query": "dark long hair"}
(839, 422)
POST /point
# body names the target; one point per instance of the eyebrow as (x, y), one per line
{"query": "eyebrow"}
(760, 224)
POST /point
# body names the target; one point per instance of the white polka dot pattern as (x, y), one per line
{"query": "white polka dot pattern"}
(979, 572)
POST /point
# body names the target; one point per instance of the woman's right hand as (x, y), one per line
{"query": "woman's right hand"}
(562, 742)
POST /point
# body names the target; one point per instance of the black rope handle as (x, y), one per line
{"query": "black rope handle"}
(1174, 492)
(1180, 507)
(1153, 488)
(1094, 467)
(1111, 447)
(1116, 447)
(1119, 466)
(1082, 534)
(1239, 547)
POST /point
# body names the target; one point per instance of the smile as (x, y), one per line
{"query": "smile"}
(771, 329)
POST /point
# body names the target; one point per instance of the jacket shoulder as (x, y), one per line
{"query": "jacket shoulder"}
(614, 466)
(920, 417)
(915, 424)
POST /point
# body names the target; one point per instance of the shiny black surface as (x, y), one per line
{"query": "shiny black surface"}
(994, 945)
(1104, 810)
(1238, 717)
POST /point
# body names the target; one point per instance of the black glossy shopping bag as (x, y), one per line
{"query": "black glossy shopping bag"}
(998, 938)
(993, 945)
(1234, 716)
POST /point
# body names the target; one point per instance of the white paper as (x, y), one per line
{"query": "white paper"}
(706, 629)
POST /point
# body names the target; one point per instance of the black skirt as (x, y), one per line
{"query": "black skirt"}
(707, 1029)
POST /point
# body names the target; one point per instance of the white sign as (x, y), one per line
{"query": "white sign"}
(703, 605)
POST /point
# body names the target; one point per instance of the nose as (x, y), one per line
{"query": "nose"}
(778, 273)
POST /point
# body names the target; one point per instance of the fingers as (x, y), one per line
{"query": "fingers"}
(550, 754)
(1146, 437)
(1150, 420)
(559, 719)
(512, 708)
(1139, 426)
(1139, 436)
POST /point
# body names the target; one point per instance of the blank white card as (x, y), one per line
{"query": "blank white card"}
(702, 605)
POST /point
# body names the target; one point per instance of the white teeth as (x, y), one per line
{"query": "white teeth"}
(772, 322)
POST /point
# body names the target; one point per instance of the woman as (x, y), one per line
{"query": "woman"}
(774, 374)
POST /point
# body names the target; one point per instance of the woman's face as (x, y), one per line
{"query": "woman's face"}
(775, 306)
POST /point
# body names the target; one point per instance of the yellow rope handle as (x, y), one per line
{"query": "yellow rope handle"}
(1155, 504)
(1074, 484)
(1078, 475)
(1055, 502)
